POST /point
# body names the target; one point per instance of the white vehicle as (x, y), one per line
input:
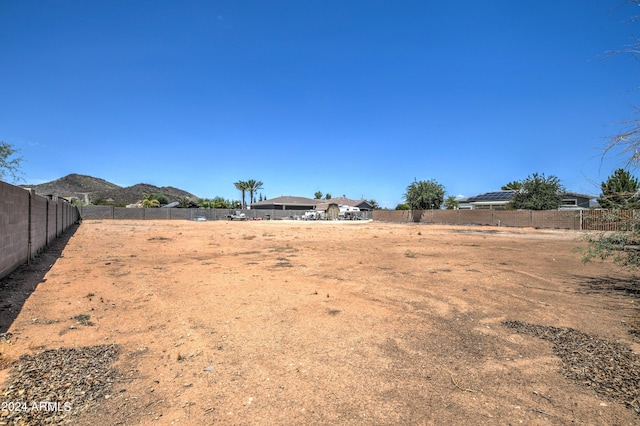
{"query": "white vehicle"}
(237, 216)
(349, 213)
(313, 215)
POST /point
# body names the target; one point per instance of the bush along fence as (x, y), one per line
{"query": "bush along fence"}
(28, 223)
(580, 220)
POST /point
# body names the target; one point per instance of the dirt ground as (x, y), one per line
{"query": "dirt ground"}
(282, 322)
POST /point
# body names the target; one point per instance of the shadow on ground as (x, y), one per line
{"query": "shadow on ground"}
(16, 288)
(625, 287)
(628, 286)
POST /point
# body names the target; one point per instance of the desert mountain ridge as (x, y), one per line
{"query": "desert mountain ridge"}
(90, 188)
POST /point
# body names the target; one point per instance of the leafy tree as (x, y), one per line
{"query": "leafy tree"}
(620, 191)
(450, 203)
(8, 165)
(622, 245)
(403, 206)
(327, 197)
(242, 186)
(218, 203)
(538, 192)
(221, 203)
(205, 203)
(184, 202)
(253, 186)
(513, 186)
(162, 199)
(99, 201)
(424, 195)
(317, 195)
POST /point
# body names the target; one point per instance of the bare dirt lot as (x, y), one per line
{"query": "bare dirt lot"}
(278, 322)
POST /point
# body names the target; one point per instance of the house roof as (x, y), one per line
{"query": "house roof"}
(287, 200)
(324, 206)
(496, 196)
(507, 195)
(575, 194)
(344, 201)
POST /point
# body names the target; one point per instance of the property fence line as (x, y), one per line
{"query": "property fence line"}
(579, 220)
(110, 212)
(603, 220)
(28, 223)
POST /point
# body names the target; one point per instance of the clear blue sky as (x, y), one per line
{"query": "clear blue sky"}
(353, 98)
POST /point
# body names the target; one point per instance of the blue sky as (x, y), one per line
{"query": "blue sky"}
(354, 98)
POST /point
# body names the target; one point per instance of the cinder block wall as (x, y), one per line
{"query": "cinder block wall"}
(38, 222)
(14, 227)
(28, 223)
(551, 219)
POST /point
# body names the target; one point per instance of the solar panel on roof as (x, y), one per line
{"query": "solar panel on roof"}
(492, 196)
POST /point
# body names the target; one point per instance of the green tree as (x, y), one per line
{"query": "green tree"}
(205, 203)
(317, 195)
(622, 245)
(374, 204)
(538, 192)
(450, 203)
(253, 186)
(8, 165)
(99, 201)
(184, 202)
(162, 199)
(327, 196)
(403, 206)
(242, 186)
(150, 200)
(620, 191)
(425, 195)
(512, 186)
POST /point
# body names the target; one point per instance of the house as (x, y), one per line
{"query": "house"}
(333, 211)
(286, 202)
(303, 204)
(362, 205)
(575, 201)
(498, 200)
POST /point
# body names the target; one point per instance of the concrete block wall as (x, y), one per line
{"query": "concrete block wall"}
(28, 223)
(14, 227)
(38, 223)
(546, 219)
(53, 227)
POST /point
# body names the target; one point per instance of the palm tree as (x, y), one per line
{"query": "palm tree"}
(253, 186)
(150, 200)
(242, 186)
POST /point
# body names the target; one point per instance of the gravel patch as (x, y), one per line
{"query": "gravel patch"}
(53, 386)
(609, 368)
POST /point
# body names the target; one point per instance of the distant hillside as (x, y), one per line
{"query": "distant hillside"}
(82, 187)
(135, 193)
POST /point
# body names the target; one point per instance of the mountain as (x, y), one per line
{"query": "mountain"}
(135, 193)
(85, 187)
